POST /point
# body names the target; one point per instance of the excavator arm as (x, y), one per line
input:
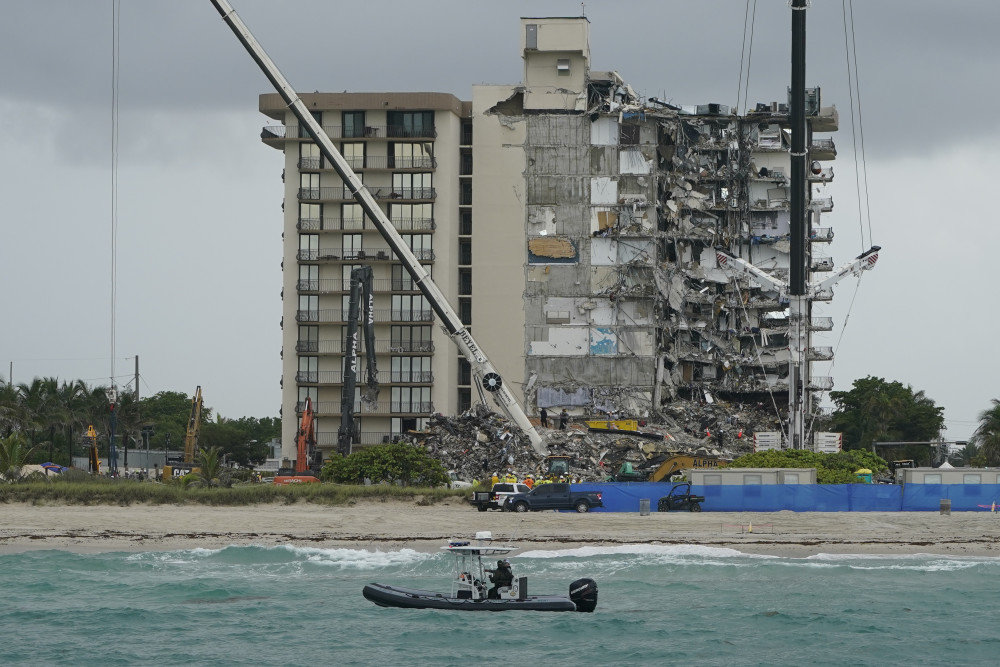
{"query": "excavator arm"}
(360, 306)
(306, 440)
(193, 428)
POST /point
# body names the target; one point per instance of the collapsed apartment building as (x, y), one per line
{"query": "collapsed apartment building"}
(573, 223)
(624, 201)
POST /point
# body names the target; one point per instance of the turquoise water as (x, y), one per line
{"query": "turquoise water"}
(658, 605)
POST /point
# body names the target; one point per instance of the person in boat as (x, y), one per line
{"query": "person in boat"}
(501, 576)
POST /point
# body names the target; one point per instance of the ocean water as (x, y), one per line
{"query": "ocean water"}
(658, 605)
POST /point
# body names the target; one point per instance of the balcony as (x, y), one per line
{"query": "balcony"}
(822, 149)
(329, 438)
(339, 285)
(820, 353)
(821, 264)
(820, 383)
(382, 346)
(823, 295)
(366, 255)
(282, 132)
(358, 224)
(824, 204)
(821, 324)
(820, 176)
(385, 192)
(375, 162)
(339, 316)
(821, 234)
(382, 377)
(383, 408)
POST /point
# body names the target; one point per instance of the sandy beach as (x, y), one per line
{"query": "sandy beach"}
(394, 524)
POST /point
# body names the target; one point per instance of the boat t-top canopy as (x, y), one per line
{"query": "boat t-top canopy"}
(481, 547)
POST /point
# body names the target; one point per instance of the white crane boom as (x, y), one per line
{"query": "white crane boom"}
(483, 370)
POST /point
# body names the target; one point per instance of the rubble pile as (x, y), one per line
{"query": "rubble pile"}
(479, 443)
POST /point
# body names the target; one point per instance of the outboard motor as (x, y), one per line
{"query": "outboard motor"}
(583, 593)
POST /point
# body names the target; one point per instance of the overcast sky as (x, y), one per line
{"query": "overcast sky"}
(199, 196)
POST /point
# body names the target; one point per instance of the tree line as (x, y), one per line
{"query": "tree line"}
(876, 410)
(53, 416)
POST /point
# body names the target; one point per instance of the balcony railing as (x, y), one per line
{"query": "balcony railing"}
(383, 346)
(383, 377)
(380, 408)
(366, 255)
(358, 163)
(385, 192)
(336, 315)
(822, 264)
(336, 285)
(355, 224)
(824, 204)
(824, 175)
(271, 132)
(329, 438)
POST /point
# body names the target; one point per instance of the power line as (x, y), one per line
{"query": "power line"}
(115, 53)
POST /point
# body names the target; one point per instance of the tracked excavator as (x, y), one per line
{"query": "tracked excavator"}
(360, 306)
(174, 468)
(306, 460)
(489, 381)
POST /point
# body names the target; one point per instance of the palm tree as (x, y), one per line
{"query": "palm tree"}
(10, 408)
(210, 466)
(13, 454)
(72, 397)
(987, 435)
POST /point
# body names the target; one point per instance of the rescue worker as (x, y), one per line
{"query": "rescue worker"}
(544, 414)
(529, 482)
(494, 480)
(501, 576)
(511, 478)
(563, 419)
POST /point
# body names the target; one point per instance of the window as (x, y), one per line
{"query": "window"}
(404, 424)
(309, 157)
(352, 216)
(422, 245)
(972, 478)
(407, 308)
(312, 393)
(465, 193)
(308, 308)
(308, 340)
(412, 186)
(354, 124)
(310, 216)
(308, 277)
(752, 479)
(465, 281)
(410, 339)
(318, 117)
(562, 66)
(464, 399)
(411, 369)
(308, 186)
(628, 135)
(410, 399)
(465, 223)
(465, 310)
(412, 216)
(465, 252)
(351, 244)
(354, 153)
(466, 132)
(530, 35)
(411, 156)
(791, 478)
(465, 168)
(713, 480)
(464, 371)
(308, 369)
(308, 246)
(932, 478)
(411, 123)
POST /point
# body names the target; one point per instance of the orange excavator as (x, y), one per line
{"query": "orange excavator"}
(305, 465)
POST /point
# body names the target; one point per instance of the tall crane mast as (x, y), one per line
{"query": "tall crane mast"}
(487, 376)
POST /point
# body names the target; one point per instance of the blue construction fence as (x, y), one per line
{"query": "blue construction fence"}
(625, 497)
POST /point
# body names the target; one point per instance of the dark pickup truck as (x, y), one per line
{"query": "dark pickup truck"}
(553, 497)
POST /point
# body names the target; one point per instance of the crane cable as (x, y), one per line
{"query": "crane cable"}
(115, 46)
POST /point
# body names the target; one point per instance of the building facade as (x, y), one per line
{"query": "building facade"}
(588, 274)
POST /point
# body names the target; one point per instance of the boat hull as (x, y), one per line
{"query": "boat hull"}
(410, 598)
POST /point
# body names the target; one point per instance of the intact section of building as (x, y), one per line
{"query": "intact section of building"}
(589, 270)
(413, 153)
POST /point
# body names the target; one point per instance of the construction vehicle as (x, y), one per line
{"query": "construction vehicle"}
(306, 460)
(671, 465)
(174, 468)
(488, 379)
(361, 303)
(91, 440)
(680, 498)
